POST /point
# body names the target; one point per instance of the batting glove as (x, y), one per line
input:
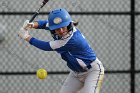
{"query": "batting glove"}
(23, 34)
(27, 25)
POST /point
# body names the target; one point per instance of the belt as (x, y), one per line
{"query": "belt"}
(86, 68)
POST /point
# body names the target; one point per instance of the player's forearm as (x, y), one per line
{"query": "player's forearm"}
(41, 24)
(40, 44)
(35, 25)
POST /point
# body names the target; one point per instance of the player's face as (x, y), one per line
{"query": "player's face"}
(61, 31)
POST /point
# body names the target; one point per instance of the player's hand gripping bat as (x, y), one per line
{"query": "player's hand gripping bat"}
(37, 12)
(28, 23)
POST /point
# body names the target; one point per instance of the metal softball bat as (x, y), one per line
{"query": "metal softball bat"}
(37, 12)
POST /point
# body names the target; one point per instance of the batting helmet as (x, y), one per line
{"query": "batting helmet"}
(59, 18)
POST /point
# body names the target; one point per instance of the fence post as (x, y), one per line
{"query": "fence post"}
(132, 41)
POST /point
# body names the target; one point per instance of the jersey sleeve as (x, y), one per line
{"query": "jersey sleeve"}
(60, 45)
(56, 45)
(40, 44)
(42, 24)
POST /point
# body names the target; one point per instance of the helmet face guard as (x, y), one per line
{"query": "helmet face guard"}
(59, 18)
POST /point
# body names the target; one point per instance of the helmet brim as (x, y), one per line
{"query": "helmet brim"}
(64, 24)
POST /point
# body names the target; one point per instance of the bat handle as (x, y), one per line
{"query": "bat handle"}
(33, 17)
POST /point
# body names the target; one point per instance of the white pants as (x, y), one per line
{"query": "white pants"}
(85, 82)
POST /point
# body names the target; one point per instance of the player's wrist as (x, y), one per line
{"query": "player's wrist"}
(28, 38)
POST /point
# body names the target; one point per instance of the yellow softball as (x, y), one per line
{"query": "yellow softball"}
(41, 73)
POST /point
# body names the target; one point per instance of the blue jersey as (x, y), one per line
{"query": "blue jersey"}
(73, 48)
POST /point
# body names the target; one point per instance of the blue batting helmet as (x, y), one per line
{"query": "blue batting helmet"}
(58, 18)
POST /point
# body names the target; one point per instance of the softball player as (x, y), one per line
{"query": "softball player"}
(87, 71)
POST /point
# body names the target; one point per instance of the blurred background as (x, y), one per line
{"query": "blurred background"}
(110, 26)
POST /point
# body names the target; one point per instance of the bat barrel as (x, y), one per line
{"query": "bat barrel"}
(37, 12)
(45, 1)
(33, 17)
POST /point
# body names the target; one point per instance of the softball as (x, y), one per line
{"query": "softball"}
(41, 73)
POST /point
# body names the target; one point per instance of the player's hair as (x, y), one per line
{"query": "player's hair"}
(71, 25)
(75, 23)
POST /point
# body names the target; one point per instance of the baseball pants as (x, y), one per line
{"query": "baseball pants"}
(85, 82)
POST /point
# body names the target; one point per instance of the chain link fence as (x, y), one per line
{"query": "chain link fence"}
(105, 23)
(71, 5)
(137, 5)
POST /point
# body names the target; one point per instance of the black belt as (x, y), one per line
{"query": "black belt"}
(89, 66)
